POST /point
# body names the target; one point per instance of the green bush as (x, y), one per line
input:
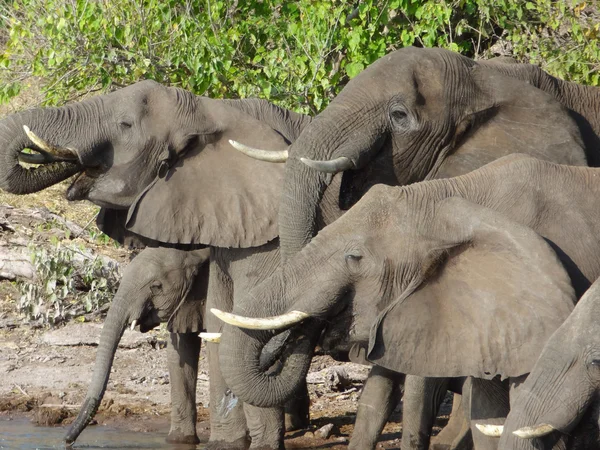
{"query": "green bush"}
(298, 54)
(66, 286)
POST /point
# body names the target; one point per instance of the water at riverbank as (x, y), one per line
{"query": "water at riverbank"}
(23, 435)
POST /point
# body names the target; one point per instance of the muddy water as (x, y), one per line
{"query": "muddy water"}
(22, 435)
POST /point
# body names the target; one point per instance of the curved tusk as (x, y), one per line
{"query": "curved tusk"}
(211, 337)
(266, 323)
(274, 156)
(133, 324)
(61, 152)
(334, 166)
(490, 430)
(535, 431)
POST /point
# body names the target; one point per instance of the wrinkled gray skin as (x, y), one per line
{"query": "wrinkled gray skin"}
(159, 157)
(159, 285)
(413, 115)
(562, 389)
(376, 274)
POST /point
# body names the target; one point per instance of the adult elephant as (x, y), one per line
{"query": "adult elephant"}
(159, 159)
(159, 285)
(417, 114)
(566, 375)
(404, 273)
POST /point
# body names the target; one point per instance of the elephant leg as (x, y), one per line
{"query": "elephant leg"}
(458, 430)
(227, 419)
(489, 403)
(379, 396)
(183, 352)
(422, 400)
(297, 414)
(266, 427)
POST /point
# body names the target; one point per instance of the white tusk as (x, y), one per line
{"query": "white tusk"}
(266, 323)
(334, 166)
(133, 324)
(535, 431)
(490, 430)
(211, 337)
(61, 152)
(275, 156)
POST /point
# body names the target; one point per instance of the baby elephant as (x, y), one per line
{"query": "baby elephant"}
(562, 391)
(159, 285)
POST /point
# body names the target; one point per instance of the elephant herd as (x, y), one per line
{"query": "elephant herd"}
(439, 220)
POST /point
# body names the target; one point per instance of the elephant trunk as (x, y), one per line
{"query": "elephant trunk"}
(245, 372)
(534, 413)
(17, 179)
(116, 322)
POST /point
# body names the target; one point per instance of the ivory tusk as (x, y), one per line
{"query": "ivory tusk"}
(266, 323)
(211, 337)
(490, 430)
(334, 166)
(535, 431)
(133, 324)
(61, 152)
(274, 156)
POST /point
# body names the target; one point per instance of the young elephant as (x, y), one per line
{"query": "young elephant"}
(431, 285)
(159, 285)
(561, 392)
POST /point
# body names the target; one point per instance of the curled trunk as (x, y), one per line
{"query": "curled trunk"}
(17, 179)
(114, 327)
(244, 369)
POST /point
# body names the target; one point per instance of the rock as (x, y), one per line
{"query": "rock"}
(324, 432)
(309, 435)
(89, 334)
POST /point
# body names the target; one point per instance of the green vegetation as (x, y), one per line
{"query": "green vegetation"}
(298, 54)
(69, 283)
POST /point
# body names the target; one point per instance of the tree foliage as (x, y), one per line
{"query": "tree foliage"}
(298, 54)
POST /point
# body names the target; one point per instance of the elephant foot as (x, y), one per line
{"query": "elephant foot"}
(238, 444)
(296, 422)
(177, 437)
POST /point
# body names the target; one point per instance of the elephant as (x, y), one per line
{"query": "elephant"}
(401, 279)
(159, 161)
(418, 114)
(159, 285)
(582, 101)
(566, 374)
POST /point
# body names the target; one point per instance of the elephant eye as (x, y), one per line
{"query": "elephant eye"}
(156, 287)
(399, 117)
(125, 124)
(354, 256)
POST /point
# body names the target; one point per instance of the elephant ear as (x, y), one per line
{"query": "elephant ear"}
(189, 316)
(486, 306)
(215, 195)
(112, 223)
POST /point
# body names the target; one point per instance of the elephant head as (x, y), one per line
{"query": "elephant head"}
(417, 114)
(160, 154)
(562, 389)
(427, 286)
(159, 285)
